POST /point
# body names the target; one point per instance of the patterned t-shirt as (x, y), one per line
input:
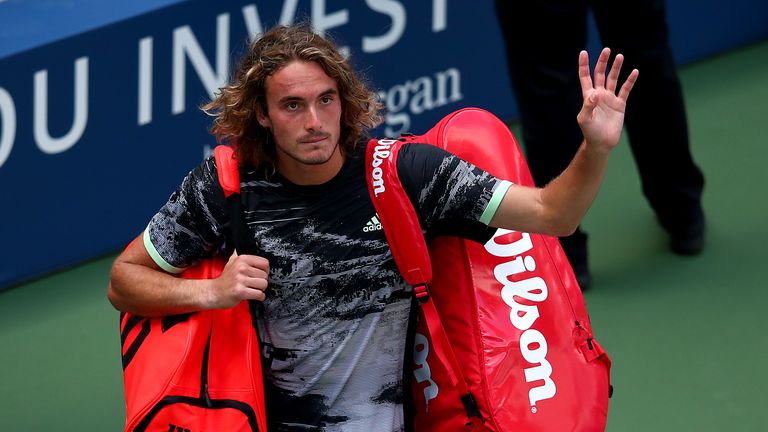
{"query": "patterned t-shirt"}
(337, 310)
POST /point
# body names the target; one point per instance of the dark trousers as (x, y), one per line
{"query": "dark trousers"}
(543, 39)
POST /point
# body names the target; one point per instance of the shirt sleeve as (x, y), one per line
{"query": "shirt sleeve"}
(189, 227)
(451, 196)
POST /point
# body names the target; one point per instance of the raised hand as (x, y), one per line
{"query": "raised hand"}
(602, 114)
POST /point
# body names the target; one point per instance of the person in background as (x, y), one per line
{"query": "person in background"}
(542, 37)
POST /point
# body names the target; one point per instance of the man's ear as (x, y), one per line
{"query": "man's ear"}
(263, 119)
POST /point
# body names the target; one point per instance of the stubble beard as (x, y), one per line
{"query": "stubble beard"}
(310, 160)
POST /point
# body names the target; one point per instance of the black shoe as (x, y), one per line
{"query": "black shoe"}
(688, 239)
(688, 243)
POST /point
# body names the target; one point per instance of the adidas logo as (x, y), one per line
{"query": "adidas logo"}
(372, 225)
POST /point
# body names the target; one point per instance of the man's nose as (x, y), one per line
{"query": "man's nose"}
(312, 121)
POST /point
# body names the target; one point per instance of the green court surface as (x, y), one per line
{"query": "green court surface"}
(687, 336)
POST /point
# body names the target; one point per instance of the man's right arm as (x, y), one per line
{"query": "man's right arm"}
(139, 286)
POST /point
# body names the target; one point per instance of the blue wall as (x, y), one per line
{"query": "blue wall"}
(98, 127)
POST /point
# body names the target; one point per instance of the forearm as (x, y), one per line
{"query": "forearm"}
(150, 292)
(557, 209)
(139, 286)
(567, 198)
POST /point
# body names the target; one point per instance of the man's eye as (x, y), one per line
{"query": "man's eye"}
(326, 100)
(291, 106)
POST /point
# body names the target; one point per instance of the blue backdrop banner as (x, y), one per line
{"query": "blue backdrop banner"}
(98, 127)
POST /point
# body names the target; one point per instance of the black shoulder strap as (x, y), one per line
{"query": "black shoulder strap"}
(229, 179)
(242, 238)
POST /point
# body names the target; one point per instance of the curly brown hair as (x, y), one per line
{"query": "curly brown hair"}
(235, 107)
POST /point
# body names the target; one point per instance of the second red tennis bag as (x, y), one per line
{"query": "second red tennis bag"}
(504, 342)
(199, 371)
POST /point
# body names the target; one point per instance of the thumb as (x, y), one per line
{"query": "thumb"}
(591, 99)
(233, 256)
(590, 102)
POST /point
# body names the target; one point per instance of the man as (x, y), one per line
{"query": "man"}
(336, 312)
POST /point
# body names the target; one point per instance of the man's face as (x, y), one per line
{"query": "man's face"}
(304, 114)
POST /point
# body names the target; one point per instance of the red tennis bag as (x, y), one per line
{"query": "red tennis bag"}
(200, 371)
(503, 342)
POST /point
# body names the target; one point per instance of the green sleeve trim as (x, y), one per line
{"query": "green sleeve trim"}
(156, 255)
(495, 201)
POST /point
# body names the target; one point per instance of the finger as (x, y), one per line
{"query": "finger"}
(256, 262)
(258, 284)
(253, 272)
(613, 75)
(244, 282)
(244, 269)
(253, 294)
(628, 84)
(584, 78)
(601, 66)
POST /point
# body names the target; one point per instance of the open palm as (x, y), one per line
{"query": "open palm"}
(602, 114)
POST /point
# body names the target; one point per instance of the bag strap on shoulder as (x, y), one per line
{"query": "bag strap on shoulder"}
(409, 248)
(396, 213)
(229, 179)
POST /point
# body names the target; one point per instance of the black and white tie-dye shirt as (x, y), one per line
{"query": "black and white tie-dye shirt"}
(336, 316)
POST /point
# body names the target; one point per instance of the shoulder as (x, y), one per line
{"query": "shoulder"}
(200, 195)
(425, 151)
(420, 158)
(204, 179)
(189, 226)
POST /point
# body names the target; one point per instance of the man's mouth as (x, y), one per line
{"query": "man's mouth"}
(313, 139)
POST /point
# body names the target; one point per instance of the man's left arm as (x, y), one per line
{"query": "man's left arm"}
(557, 208)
